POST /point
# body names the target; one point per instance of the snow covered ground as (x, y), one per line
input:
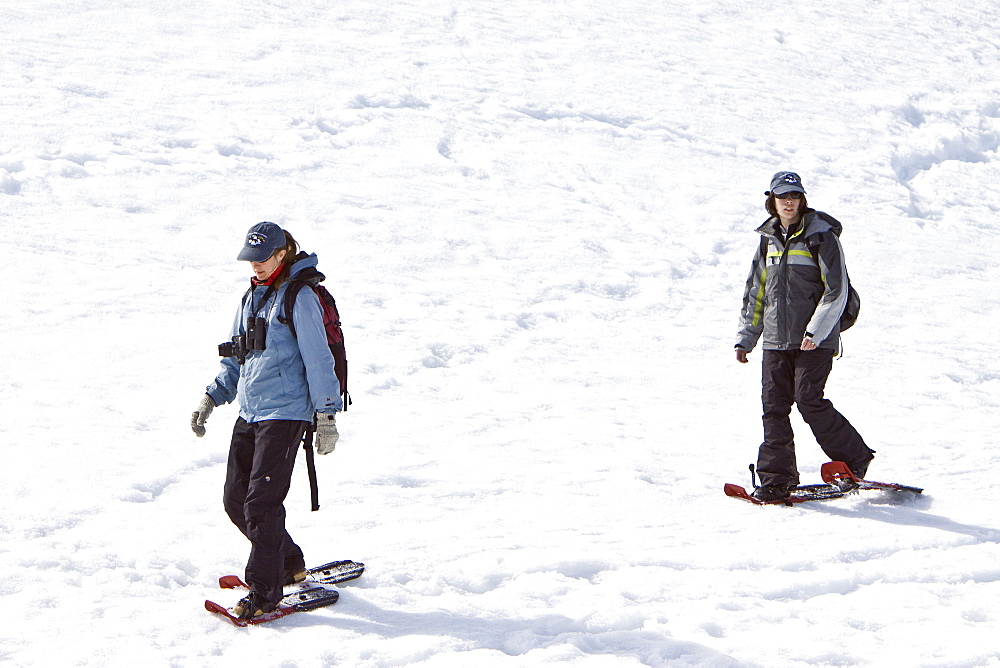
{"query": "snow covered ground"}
(537, 218)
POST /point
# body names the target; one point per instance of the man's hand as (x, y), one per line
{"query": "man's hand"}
(741, 355)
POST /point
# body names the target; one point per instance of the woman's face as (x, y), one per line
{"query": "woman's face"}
(263, 270)
(787, 207)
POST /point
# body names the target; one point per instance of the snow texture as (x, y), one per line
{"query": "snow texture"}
(537, 220)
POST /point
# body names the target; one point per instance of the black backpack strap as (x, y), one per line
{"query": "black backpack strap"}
(243, 303)
(308, 276)
(814, 249)
(307, 445)
(291, 292)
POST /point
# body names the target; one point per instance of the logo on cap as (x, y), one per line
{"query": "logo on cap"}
(790, 178)
(255, 239)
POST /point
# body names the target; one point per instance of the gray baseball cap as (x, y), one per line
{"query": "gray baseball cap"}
(785, 182)
(261, 242)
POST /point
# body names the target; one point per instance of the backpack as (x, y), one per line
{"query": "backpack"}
(851, 309)
(331, 321)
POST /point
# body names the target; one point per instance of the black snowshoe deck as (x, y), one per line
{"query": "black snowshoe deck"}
(838, 482)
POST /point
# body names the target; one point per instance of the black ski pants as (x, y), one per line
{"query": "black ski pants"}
(261, 458)
(799, 377)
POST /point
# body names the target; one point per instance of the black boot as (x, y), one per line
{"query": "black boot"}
(775, 492)
(253, 605)
(860, 468)
(295, 576)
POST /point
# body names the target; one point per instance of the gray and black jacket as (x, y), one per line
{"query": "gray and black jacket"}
(797, 286)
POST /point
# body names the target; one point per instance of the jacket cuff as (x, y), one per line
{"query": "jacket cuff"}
(215, 399)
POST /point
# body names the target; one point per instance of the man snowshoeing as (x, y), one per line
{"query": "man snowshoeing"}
(794, 297)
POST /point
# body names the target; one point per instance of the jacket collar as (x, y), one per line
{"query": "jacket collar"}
(813, 222)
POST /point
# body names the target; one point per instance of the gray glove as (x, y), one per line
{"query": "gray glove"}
(201, 414)
(326, 433)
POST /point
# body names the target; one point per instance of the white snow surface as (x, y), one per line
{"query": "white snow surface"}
(537, 218)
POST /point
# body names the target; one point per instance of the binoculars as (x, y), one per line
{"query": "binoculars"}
(242, 345)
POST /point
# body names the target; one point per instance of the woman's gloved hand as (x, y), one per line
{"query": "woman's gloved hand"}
(326, 433)
(201, 414)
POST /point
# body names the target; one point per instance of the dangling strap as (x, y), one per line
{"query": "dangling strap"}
(307, 445)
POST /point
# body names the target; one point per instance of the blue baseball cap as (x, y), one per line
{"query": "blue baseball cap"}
(785, 182)
(261, 242)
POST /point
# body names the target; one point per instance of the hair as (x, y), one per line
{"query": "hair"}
(773, 209)
(291, 249)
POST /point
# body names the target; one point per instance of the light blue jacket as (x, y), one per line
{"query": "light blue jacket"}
(292, 378)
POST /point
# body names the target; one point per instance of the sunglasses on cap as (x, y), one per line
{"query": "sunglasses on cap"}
(795, 194)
